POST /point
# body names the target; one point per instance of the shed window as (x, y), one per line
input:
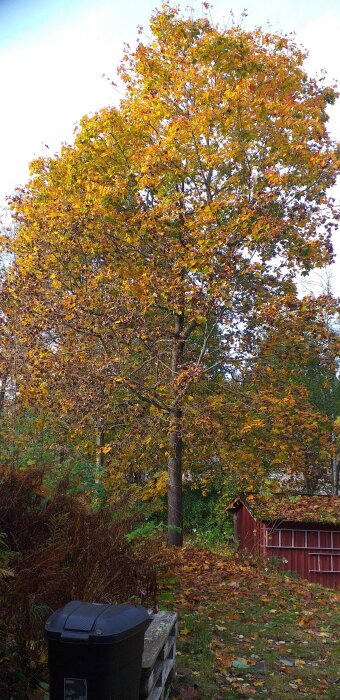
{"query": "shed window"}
(302, 539)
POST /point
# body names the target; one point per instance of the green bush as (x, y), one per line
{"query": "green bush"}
(206, 521)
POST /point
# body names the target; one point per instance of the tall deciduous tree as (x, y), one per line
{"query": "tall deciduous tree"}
(191, 206)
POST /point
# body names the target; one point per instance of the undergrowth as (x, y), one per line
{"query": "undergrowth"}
(206, 521)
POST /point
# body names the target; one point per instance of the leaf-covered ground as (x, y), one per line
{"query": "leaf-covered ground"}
(247, 631)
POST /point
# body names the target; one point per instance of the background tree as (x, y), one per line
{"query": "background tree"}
(292, 394)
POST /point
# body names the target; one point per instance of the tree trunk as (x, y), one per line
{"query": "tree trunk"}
(335, 468)
(309, 475)
(61, 454)
(3, 386)
(99, 454)
(175, 497)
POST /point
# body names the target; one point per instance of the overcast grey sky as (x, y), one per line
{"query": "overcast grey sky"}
(53, 54)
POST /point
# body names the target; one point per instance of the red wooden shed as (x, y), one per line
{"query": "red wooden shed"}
(301, 531)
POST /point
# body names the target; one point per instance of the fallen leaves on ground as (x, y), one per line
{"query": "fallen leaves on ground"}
(249, 632)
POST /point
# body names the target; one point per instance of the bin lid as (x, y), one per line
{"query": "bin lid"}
(95, 623)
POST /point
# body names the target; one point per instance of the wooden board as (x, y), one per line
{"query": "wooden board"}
(162, 626)
(158, 665)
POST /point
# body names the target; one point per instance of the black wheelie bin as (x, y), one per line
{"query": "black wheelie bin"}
(95, 651)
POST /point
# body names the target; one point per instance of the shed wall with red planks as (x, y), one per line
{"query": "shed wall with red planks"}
(310, 549)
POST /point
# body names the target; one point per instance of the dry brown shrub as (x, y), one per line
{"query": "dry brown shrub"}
(60, 550)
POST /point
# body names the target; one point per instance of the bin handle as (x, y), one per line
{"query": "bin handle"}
(74, 637)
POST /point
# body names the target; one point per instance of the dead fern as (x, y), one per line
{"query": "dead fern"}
(55, 549)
